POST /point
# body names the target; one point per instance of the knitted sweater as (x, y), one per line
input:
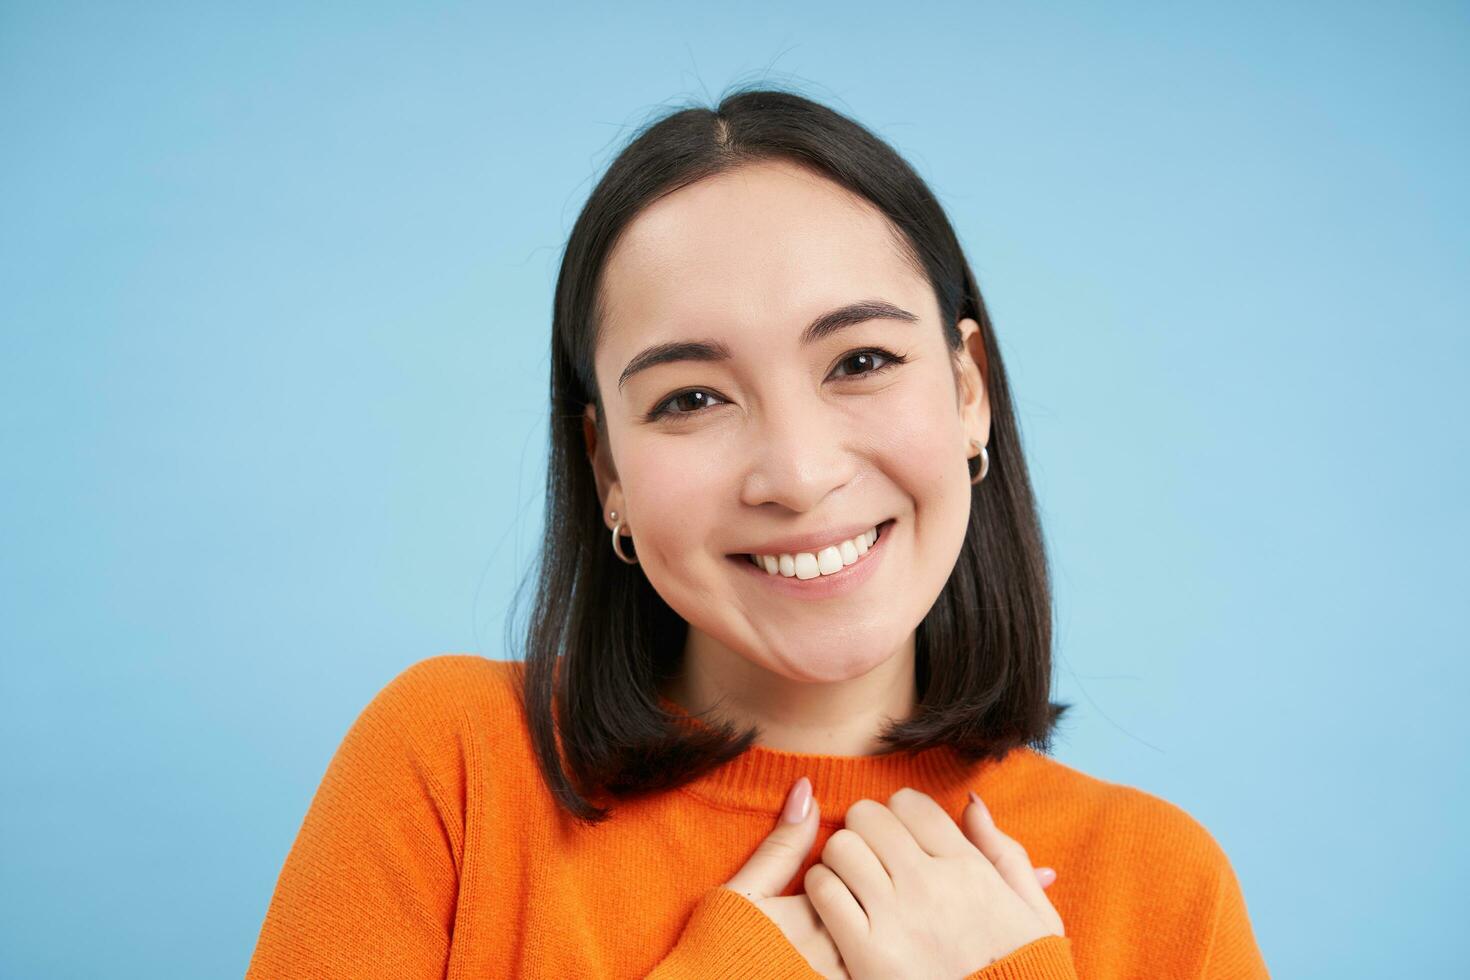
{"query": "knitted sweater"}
(433, 849)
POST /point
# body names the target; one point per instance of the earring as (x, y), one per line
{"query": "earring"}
(616, 543)
(984, 464)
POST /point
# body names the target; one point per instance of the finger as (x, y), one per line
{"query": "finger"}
(804, 927)
(849, 856)
(886, 836)
(839, 910)
(1010, 859)
(780, 855)
(932, 828)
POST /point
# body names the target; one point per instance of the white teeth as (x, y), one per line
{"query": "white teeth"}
(807, 564)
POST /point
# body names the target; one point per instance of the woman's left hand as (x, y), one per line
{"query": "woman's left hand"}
(905, 893)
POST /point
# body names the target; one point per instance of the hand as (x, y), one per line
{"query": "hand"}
(905, 893)
(771, 869)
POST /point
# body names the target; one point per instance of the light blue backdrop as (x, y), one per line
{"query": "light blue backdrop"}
(275, 290)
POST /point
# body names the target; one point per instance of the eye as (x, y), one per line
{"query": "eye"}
(663, 407)
(867, 358)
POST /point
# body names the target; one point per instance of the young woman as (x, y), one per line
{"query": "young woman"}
(784, 708)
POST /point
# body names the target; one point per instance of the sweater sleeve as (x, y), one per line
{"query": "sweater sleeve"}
(728, 937)
(369, 887)
(1047, 958)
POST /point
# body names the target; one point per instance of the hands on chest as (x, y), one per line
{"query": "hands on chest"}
(901, 890)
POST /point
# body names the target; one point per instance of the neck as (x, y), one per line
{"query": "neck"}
(840, 717)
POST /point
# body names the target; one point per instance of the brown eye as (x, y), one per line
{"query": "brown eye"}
(696, 400)
(693, 400)
(870, 361)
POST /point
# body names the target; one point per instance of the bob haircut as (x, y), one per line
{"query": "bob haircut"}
(601, 641)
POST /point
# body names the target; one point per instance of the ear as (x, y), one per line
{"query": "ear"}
(599, 455)
(973, 384)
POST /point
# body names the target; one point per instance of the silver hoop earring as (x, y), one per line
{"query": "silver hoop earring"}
(984, 464)
(616, 543)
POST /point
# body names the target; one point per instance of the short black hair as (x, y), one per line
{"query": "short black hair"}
(600, 641)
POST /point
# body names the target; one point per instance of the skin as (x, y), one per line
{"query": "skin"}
(901, 890)
(789, 439)
(781, 439)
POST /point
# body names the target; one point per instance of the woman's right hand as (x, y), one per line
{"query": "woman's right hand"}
(774, 865)
(772, 868)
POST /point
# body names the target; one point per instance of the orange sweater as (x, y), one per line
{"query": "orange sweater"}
(432, 849)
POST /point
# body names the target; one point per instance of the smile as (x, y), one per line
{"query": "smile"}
(824, 561)
(804, 574)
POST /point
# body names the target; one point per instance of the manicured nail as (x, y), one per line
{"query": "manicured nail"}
(798, 802)
(984, 810)
(1046, 876)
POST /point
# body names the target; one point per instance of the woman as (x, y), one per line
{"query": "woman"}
(792, 633)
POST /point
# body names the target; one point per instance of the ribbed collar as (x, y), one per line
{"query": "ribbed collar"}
(759, 779)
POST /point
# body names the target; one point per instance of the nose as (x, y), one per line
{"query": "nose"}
(799, 453)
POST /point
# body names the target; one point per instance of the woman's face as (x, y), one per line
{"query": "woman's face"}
(769, 434)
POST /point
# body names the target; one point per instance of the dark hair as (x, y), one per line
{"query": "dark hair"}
(601, 641)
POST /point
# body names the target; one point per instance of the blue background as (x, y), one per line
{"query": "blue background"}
(275, 289)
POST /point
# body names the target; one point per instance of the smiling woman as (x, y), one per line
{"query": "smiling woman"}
(749, 732)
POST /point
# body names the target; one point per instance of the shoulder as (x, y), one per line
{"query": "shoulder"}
(1132, 857)
(454, 678)
(1124, 823)
(437, 702)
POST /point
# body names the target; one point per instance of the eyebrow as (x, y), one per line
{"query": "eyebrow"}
(713, 350)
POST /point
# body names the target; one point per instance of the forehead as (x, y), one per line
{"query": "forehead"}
(757, 245)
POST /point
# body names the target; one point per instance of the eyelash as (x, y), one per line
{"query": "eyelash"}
(892, 360)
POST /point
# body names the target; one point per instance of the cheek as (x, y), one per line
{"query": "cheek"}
(677, 505)
(920, 434)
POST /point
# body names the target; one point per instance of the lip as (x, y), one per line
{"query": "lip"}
(826, 586)
(810, 542)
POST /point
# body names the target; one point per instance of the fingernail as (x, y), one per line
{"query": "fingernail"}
(798, 802)
(984, 810)
(1046, 875)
